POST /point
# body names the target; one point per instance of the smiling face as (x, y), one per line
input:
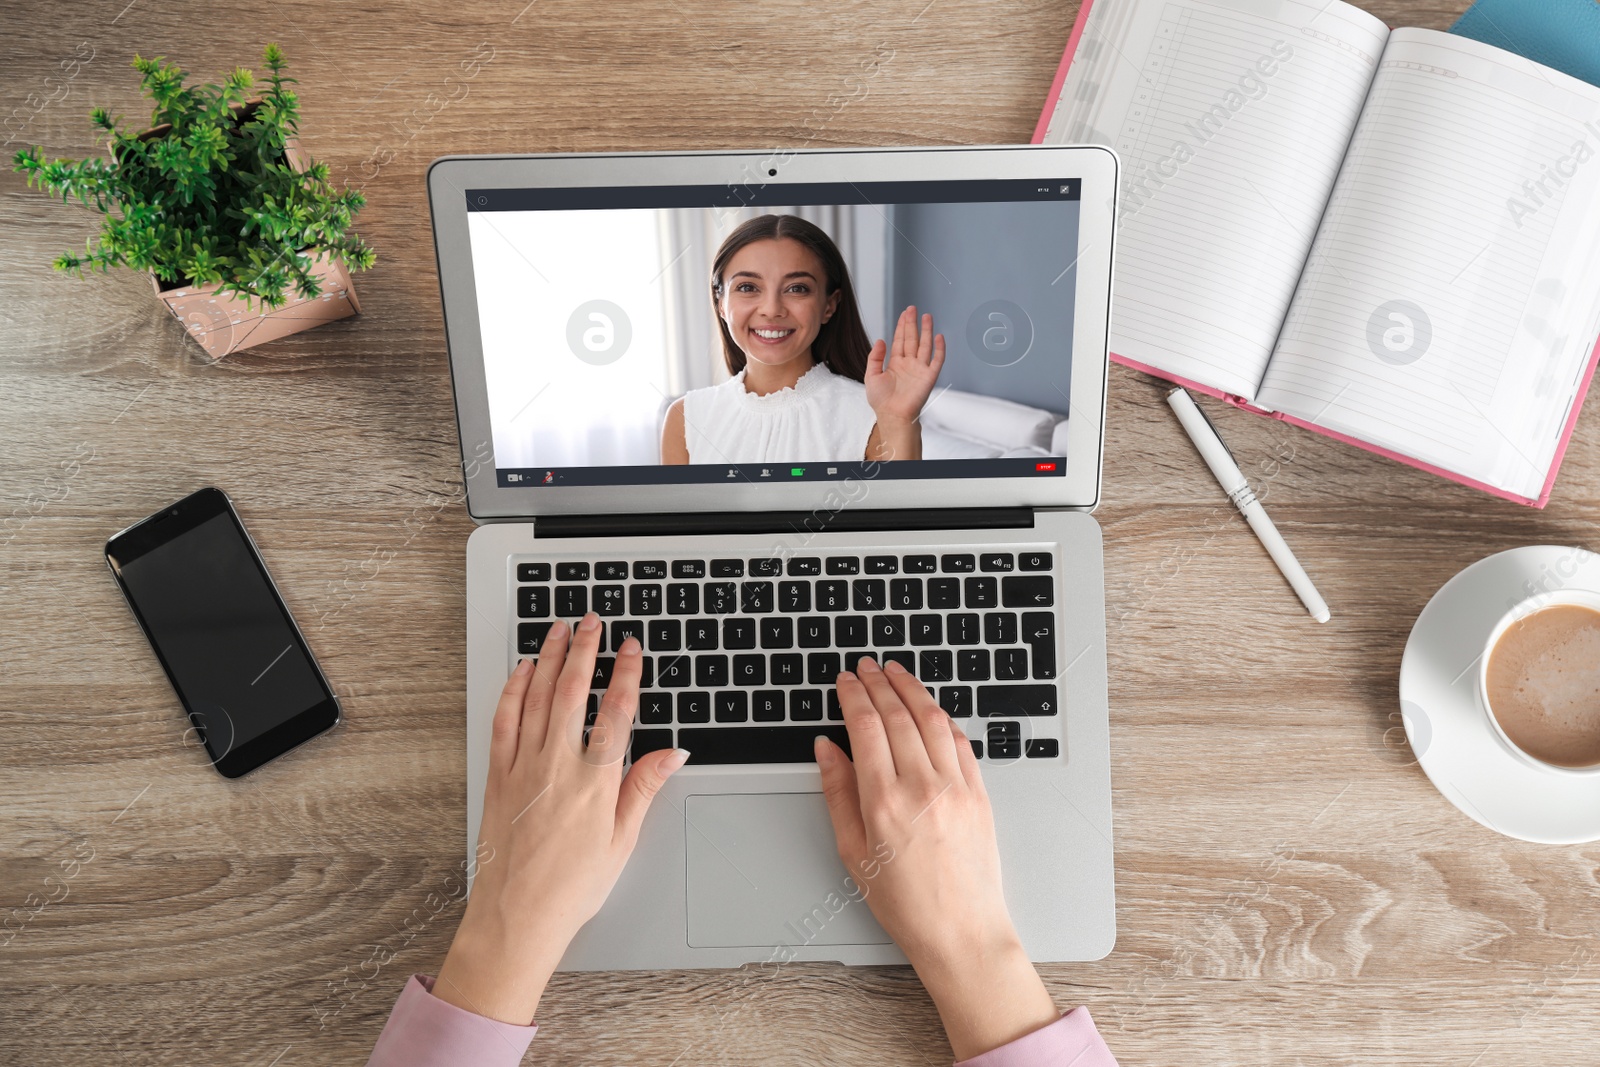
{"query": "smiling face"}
(774, 300)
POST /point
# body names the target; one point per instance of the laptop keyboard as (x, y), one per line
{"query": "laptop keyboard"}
(741, 654)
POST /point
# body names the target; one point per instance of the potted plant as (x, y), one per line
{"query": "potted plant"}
(243, 237)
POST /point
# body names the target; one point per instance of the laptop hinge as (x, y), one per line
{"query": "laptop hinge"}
(852, 520)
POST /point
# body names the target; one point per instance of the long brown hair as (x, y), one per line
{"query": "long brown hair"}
(841, 343)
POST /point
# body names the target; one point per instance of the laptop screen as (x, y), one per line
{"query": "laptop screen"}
(699, 334)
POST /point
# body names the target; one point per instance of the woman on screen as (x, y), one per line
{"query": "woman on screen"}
(807, 385)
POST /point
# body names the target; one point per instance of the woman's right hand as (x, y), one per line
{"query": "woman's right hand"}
(916, 833)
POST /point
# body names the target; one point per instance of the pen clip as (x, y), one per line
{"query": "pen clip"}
(1214, 433)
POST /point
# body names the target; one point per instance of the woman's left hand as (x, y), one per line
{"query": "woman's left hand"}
(898, 392)
(559, 822)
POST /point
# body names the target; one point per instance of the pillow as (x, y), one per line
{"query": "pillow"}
(937, 444)
(1003, 423)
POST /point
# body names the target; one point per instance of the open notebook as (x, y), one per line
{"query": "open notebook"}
(1392, 238)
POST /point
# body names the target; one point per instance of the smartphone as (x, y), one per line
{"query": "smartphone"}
(239, 664)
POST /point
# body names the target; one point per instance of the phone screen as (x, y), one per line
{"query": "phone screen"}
(239, 664)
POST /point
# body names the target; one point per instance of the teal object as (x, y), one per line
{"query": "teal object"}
(1563, 34)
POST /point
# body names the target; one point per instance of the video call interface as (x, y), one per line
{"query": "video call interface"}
(789, 332)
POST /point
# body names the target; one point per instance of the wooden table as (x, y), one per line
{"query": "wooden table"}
(1291, 888)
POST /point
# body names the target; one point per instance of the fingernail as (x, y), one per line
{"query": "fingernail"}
(894, 667)
(673, 760)
(557, 629)
(630, 647)
(846, 676)
(590, 621)
(523, 666)
(866, 666)
(824, 751)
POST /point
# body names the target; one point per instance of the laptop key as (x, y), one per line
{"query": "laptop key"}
(1042, 748)
(805, 705)
(1010, 664)
(905, 594)
(738, 633)
(758, 744)
(1034, 561)
(572, 601)
(844, 565)
(1017, 700)
(649, 569)
(608, 600)
(766, 568)
(699, 635)
(981, 592)
(852, 659)
(722, 598)
(997, 561)
(655, 708)
(572, 572)
(644, 599)
(921, 564)
(683, 598)
(927, 630)
(814, 632)
(972, 664)
(944, 592)
(1005, 740)
(610, 570)
(727, 568)
(755, 598)
(794, 597)
(1028, 591)
(977, 748)
(777, 632)
(533, 602)
(883, 564)
(937, 666)
(835, 712)
(888, 631)
(805, 565)
(961, 628)
(833, 596)
(822, 668)
(1000, 628)
(732, 706)
(850, 631)
(645, 741)
(766, 705)
(533, 572)
(956, 700)
(695, 707)
(903, 656)
(688, 568)
(750, 670)
(603, 666)
(957, 563)
(673, 672)
(788, 668)
(530, 637)
(623, 629)
(1039, 632)
(711, 672)
(871, 594)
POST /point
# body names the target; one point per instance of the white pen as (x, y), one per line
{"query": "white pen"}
(1220, 460)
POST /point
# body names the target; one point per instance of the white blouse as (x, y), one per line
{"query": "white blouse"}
(823, 417)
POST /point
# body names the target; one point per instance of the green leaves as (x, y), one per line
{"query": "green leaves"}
(212, 200)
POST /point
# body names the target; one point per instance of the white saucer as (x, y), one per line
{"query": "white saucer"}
(1444, 719)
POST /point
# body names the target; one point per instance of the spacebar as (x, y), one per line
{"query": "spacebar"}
(757, 744)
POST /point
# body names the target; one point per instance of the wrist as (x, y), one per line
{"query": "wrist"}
(494, 974)
(988, 993)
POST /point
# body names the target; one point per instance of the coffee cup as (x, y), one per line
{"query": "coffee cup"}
(1546, 679)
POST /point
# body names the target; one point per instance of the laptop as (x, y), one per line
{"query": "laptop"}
(673, 411)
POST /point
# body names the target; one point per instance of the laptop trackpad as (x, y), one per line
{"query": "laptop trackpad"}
(764, 871)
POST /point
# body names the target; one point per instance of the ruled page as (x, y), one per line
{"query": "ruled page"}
(1452, 299)
(1231, 118)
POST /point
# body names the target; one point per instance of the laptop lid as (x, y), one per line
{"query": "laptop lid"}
(603, 313)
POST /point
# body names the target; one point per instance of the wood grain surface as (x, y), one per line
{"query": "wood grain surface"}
(1291, 889)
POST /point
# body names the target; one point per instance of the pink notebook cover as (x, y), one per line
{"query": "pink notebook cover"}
(1239, 402)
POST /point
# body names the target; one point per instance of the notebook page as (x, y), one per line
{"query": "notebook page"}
(1453, 295)
(1231, 118)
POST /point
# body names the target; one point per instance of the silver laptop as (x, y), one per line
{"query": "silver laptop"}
(620, 327)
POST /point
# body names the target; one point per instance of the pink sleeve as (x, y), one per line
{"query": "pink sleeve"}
(1070, 1041)
(424, 1031)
